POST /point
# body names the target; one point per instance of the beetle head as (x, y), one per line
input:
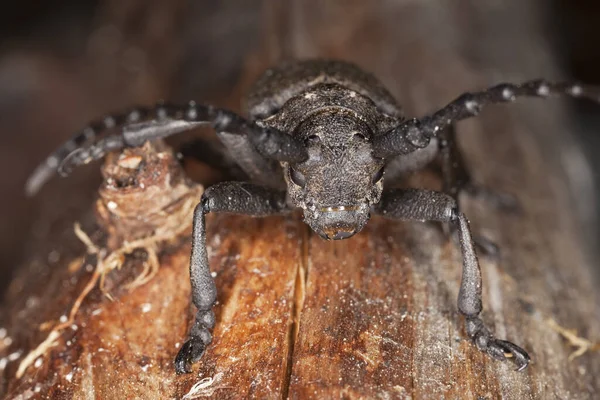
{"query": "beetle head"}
(340, 180)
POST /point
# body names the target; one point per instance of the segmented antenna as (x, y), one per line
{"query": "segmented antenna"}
(136, 126)
(416, 133)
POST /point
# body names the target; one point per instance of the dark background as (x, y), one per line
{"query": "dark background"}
(63, 63)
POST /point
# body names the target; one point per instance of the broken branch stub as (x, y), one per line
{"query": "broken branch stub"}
(145, 193)
(71, 341)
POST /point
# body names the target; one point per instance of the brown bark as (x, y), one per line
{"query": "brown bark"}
(369, 317)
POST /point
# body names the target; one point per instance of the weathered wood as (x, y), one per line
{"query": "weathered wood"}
(373, 316)
(414, 48)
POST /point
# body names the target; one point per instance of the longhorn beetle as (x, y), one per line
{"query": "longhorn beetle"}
(319, 137)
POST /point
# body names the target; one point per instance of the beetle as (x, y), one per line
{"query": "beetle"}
(322, 136)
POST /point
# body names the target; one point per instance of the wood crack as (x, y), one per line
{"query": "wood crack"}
(298, 298)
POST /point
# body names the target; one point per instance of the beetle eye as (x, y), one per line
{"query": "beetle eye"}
(297, 177)
(378, 175)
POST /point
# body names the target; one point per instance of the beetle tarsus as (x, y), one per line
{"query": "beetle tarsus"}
(499, 349)
(191, 351)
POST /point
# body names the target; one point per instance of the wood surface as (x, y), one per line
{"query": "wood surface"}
(370, 317)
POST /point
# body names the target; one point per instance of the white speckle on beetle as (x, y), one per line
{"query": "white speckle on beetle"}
(161, 113)
(352, 94)
(543, 90)
(508, 94)
(74, 327)
(224, 119)
(3, 333)
(133, 116)
(3, 363)
(38, 362)
(472, 106)
(109, 122)
(69, 376)
(63, 319)
(52, 162)
(7, 341)
(146, 307)
(576, 90)
(310, 96)
(112, 205)
(14, 356)
(192, 113)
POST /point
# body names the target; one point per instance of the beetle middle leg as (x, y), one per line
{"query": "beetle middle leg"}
(456, 177)
(426, 205)
(228, 197)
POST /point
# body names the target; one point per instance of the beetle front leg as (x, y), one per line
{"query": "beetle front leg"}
(469, 301)
(230, 197)
(204, 294)
(426, 205)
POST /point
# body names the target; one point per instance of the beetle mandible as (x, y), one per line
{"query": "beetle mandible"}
(320, 136)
